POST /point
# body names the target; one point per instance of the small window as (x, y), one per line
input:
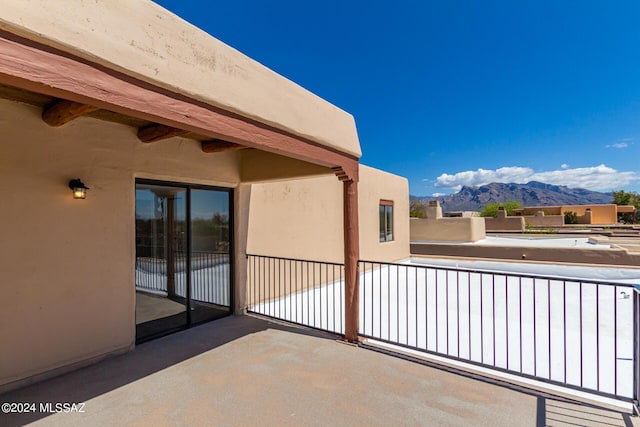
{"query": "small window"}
(386, 220)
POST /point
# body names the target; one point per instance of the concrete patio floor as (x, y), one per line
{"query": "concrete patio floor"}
(244, 370)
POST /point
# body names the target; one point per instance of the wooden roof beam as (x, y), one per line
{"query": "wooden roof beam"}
(342, 174)
(157, 132)
(218, 145)
(38, 68)
(63, 111)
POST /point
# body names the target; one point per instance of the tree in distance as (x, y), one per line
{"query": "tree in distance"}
(491, 209)
(625, 198)
(417, 209)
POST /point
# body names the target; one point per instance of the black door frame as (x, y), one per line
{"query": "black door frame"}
(232, 264)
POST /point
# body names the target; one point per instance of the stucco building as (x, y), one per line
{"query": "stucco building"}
(606, 214)
(169, 129)
(435, 227)
(301, 218)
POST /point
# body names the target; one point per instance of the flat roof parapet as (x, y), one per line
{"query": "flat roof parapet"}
(145, 41)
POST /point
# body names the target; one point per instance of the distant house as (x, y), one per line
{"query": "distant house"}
(456, 228)
(587, 214)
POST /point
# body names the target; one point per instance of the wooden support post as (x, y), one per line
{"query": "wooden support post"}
(351, 256)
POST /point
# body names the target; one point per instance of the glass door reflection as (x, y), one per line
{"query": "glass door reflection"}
(183, 256)
(210, 254)
(161, 242)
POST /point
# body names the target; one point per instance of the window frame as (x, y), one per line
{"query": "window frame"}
(386, 221)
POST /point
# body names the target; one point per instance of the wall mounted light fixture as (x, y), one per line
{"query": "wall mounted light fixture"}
(78, 188)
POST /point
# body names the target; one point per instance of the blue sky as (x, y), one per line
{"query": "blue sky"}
(453, 93)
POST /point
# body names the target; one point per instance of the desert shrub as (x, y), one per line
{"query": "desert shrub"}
(417, 209)
(570, 217)
(491, 209)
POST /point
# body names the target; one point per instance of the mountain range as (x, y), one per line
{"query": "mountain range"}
(530, 194)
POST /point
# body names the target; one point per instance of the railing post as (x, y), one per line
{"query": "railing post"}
(351, 255)
(636, 350)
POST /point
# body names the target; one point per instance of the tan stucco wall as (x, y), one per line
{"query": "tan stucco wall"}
(543, 220)
(600, 214)
(259, 166)
(303, 219)
(297, 219)
(67, 266)
(448, 229)
(533, 210)
(376, 185)
(613, 256)
(143, 40)
(587, 218)
(242, 198)
(510, 223)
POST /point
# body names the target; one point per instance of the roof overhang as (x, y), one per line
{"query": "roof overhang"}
(625, 209)
(133, 57)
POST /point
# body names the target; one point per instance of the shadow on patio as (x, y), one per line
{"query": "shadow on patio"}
(244, 370)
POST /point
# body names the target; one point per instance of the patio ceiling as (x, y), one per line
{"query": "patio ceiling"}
(73, 86)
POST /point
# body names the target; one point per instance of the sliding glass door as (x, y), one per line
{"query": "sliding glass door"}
(183, 256)
(210, 254)
(160, 268)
